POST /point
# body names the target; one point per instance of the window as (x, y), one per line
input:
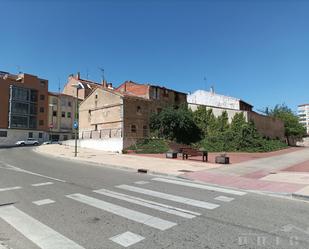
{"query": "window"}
(3, 133)
(63, 114)
(54, 101)
(33, 109)
(41, 109)
(33, 95)
(133, 128)
(42, 97)
(55, 113)
(96, 127)
(32, 122)
(159, 110)
(40, 135)
(30, 135)
(41, 122)
(43, 83)
(69, 114)
(65, 137)
(138, 110)
(19, 122)
(96, 96)
(19, 108)
(70, 103)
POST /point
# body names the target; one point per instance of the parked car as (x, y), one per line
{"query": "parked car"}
(29, 141)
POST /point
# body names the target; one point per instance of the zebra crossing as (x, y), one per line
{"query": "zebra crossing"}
(45, 237)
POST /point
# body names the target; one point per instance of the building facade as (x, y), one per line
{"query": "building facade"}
(122, 115)
(303, 114)
(85, 86)
(23, 108)
(267, 126)
(62, 112)
(210, 98)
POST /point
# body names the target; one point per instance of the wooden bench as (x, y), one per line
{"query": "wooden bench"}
(186, 152)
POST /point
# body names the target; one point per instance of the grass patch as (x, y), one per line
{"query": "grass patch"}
(149, 146)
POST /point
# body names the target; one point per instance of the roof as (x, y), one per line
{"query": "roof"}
(137, 92)
(221, 95)
(303, 105)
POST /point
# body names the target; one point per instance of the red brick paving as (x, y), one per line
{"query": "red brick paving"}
(302, 167)
(235, 157)
(244, 183)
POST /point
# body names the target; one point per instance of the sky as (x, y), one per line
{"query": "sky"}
(254, 50)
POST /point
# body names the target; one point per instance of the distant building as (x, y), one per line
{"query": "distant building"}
(266, 126)
(303, 114)
(62, 111)
(85, 86)
(23, 108)
(210, 98)
(114, 119)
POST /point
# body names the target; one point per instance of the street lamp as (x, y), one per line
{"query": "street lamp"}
(75, 125)
(51, 125)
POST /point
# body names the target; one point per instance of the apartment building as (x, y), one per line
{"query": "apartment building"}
(23, 107)
(62, 111)
(303, 114)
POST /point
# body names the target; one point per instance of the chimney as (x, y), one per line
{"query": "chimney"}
(78, 75)
(104, 83)
(110, 86)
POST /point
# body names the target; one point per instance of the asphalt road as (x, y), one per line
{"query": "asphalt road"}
(50, 203)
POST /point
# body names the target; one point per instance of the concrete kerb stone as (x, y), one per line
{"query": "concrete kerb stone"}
(110, 166)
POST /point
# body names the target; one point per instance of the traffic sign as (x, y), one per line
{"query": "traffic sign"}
(75, 125)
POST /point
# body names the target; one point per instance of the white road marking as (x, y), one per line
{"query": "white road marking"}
(141, 182)
(224, 198)
(150, 204)
(42, 184)
(14, 168)
(127, 239)
(43, 202)
(175, 198)
(11, 188)
(124, 212)
(200, 186)
(41, 235)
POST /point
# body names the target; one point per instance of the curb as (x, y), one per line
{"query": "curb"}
(301, 197)
(183, 177)
(110, 166)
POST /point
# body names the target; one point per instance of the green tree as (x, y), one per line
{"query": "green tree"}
(175, 124)
(292, 127)
(223, 122)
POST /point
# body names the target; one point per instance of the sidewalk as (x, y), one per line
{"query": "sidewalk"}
(127, 161)
(262, 174)
(285, 174)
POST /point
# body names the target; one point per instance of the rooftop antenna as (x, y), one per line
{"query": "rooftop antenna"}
(87, 74)
(59, 85)
(18, 69)
(205, 79)
(102, 73)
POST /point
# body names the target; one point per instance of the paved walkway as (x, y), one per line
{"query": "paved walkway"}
(269, 164)
(263, 174)
(133, 162)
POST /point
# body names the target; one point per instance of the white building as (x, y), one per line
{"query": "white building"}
(303, 114)
(212, 99)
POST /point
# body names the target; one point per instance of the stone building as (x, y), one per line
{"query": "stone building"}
(23, 108)
(85, 86)
(114, 119)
